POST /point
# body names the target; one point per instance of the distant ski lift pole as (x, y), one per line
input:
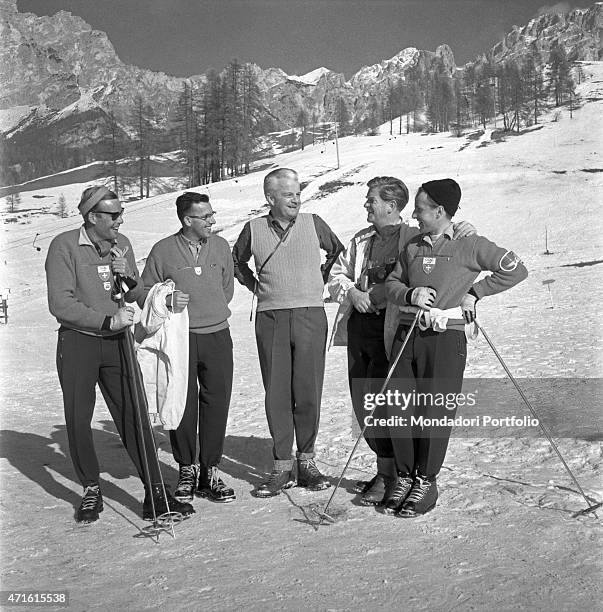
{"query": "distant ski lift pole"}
(546, 241)
(337, 145)
(493, 85)
(548, 284)
(4, 305)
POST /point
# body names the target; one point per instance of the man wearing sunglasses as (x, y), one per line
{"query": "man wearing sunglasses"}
(80, 268)
(200, 264)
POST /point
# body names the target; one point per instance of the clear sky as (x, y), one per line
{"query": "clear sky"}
(186, 37)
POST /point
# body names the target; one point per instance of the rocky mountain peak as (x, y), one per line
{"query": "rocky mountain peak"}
(56, 69)
(312, 77)
(444, 52)
(579, 31)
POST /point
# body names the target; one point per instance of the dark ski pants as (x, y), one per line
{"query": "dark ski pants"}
(207, 401)
(367, 369)
(82, 362)
(432, 363)
(291, 346)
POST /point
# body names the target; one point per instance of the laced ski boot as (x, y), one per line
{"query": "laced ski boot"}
(362, 486)
(91, 505)
(383, 484)
(187, 481)
(163, 503)
(421, 499)
(212, 486)
(309, 476)
(402, 488)
(277, 482)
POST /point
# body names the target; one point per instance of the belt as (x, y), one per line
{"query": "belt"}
(380, 314)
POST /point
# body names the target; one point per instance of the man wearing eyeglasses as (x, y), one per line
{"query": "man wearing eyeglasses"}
(80, 268)
(200, 264)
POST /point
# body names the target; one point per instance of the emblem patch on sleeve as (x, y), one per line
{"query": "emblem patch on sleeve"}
(509, 261)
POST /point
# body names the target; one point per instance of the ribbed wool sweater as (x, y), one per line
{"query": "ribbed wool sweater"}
(451, 267)
(209, 280)
(80, 282)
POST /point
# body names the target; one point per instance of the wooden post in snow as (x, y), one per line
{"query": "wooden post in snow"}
(337, 145)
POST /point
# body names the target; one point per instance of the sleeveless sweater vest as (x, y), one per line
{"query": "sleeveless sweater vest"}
(292, 277)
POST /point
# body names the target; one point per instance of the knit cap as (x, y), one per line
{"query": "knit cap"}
(445, 192)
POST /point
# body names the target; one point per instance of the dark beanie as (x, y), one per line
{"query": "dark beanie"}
(445, 192)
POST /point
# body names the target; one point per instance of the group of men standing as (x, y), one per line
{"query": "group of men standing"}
(290, 327)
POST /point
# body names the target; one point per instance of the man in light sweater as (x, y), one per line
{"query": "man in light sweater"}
(80, 269)
(291, 325)
(200, 264)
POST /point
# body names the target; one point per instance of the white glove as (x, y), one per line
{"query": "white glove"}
(124, 317)
(423, 297)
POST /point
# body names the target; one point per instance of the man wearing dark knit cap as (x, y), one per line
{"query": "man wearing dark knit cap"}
(365, 322)
(436, 275)
(200, 264)
(80, 269)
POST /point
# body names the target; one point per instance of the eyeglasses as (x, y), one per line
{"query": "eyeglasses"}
(114, 215)
(202, 217)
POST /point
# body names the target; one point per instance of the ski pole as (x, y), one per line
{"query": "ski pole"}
(545, 430)
(324, 514)
(138, 404)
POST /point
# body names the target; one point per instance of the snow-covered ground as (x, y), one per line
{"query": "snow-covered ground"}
(502, 536)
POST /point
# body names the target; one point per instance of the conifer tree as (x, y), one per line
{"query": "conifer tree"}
(182, 128)
(440, 98)
(515, 84)
(302, 122)
(503, 94)
(374, 117)
(484, 102)
(252, 110)
(62, 206)
(533, 80)
(13, 202)
(116, 146)
(342, 116)
(560, 79)
(143, 143)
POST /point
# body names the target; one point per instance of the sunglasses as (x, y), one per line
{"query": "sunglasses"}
(114, 215)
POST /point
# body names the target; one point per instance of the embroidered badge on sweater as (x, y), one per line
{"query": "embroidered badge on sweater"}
(104, 273)
(428, 264)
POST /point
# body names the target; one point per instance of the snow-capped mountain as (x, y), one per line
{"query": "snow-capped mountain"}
(312, 77)
(578, 31)
(59, 76)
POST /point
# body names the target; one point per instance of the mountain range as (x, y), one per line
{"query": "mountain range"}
(60, 78)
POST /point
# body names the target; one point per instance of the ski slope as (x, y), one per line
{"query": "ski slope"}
(501, 537)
